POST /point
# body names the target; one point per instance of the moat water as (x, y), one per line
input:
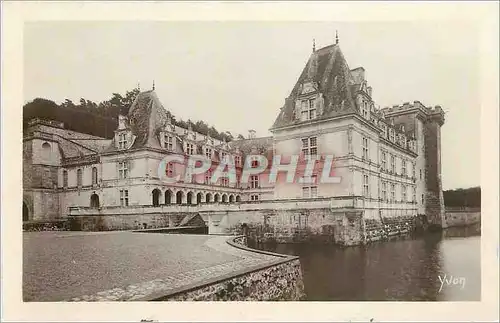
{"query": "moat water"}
(444, 266)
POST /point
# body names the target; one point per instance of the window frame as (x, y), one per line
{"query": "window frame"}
(308, 147)
(365, 151)
(308, 109)
(124, 197)
(79, 177)
(123, 169)
(122, 141)
(168, 142)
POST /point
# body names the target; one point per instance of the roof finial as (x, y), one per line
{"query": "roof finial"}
(336, 37)
(139, 86)
(153, 84)
(314, 45)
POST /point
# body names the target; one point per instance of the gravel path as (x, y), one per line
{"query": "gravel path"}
(99, 266)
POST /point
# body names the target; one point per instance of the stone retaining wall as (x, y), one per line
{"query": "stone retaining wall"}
(325, 226)
(281, 281)
(461, 217)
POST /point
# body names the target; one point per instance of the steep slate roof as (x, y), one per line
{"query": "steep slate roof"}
(263, 146)
(147, 117)
(328, 68)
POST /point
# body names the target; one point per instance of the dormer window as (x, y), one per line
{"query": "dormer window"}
(168, 142)
(189, 148)
(208, 153)
(122, 141)
(308, 109)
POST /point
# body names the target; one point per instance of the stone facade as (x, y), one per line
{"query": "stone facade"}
(388, 162)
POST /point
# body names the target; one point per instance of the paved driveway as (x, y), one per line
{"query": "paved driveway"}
(60, 266)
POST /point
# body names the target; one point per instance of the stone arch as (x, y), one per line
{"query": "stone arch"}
(208, 198)
(94, 200)
(238, 198)
(224, 198)
(231, 198)
(26, 212)
(216, 197)
(189, 198)
(198, 198)
(156, 197)
(178, 197)
(168, 197)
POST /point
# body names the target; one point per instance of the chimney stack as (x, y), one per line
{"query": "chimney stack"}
(251, 134)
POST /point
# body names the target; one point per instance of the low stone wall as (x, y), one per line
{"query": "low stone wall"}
(47, 225)
(124, 222)
(461, 217)
(280, 281)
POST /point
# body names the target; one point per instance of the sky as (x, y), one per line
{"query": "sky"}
(236, 75)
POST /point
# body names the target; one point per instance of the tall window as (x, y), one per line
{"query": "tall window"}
(392, 135)
(420, 174)
(365, 148)
(122, 141)
(169, 142)
(309, 146)
(422, 198)
(393, 193)
(189, 148)
(208, 153)
(403, 167)
(413, 166)
(223, 155)
(124, 197)
(393, 164)
(403, 194)
(384, 191)
(224, 181)
(414, 197)
(94, 175)
(384, 160)
(237, 160)
(169, 169)
(311, 190)
(208, 175)
(366, 186)
(65, 178)
(79, 177)
(122, 170)
(308, 109)
(254, 181)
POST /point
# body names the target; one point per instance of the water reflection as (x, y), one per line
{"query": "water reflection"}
(416, 269)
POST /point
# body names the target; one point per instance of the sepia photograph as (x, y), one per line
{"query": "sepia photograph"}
(250, 161)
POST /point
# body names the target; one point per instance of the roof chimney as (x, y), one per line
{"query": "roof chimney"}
(251, 134)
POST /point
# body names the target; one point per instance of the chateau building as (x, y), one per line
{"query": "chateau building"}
(388, 160)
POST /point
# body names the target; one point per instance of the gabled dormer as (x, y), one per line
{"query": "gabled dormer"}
(224, 150)
(310, 102)
(189, 141)
(208, 147)
(123, 135)
(168, 137)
